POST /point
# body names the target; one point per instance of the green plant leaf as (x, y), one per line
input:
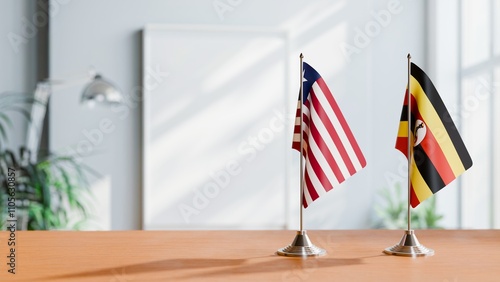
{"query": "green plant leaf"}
(45, 188)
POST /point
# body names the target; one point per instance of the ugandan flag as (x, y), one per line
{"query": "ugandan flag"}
(438, 154)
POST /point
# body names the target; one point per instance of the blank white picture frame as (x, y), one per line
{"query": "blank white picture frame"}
(216, 128)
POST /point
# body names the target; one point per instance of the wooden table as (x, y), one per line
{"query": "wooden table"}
(354, 255)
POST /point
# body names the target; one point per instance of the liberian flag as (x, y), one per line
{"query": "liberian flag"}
(331, 153)
(438, 154)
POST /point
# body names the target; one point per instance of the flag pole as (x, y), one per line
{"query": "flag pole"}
(301, 102)
(301, 245)
(409, 246)
(409, 142)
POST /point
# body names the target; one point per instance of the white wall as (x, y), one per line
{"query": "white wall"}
(468, 91)
(17, 57)
(368, 85)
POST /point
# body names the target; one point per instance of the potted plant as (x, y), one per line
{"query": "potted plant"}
(49, 191)
(393, 212)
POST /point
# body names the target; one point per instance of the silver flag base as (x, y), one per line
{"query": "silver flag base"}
(301, 247)
(409, 247)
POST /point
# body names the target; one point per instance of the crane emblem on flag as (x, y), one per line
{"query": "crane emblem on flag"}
(420, 131)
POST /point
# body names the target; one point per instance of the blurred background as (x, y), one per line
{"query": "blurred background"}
(202, 136)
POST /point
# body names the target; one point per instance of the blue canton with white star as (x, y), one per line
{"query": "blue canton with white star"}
(310, 76)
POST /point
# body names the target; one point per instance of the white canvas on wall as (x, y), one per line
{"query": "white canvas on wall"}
(214, 135)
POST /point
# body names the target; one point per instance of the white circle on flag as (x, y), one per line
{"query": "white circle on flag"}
(420, 132)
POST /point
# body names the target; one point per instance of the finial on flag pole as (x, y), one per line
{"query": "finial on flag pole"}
(301, 245)
(409, 245)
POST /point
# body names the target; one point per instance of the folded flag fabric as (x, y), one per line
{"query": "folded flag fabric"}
(330, 150)
(438, 154)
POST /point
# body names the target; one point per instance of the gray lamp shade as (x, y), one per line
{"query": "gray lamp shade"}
(101, 91)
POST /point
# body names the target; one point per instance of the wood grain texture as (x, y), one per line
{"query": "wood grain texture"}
(353, 255)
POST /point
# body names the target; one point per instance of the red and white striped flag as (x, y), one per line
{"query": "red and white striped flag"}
(331, 153)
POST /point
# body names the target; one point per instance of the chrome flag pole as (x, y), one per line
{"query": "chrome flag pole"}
(301, 245)
(409, 245)
(301, 168)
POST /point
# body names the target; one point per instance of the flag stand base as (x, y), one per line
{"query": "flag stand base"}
(409, 247)
(301, 247)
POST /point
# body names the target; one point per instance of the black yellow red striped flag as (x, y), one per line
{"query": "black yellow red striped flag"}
(438, 155)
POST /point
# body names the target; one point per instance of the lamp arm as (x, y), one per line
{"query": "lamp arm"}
(58, 84)
(98, 87)
(38, 111)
